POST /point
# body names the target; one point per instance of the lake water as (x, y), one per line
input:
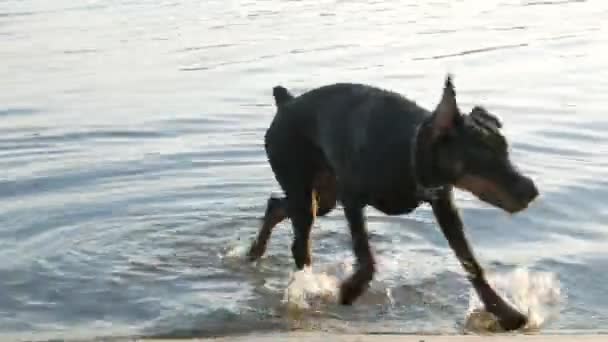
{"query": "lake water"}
(133, 175)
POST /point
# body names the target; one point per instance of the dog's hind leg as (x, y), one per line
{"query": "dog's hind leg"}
(295, 163)
(307, 201)
(276, 212)
(352, 288)
(302, 210)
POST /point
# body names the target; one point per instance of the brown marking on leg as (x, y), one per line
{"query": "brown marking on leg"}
(358, 283)
(325, 192)
(276, 211)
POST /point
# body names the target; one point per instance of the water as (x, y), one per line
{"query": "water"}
(133, 172)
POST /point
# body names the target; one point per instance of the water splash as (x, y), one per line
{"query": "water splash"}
(238, 250)
(307, 289)
(536, 294)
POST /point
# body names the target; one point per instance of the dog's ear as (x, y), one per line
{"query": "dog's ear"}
(447, 112)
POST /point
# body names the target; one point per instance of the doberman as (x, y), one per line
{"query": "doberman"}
(364, 146)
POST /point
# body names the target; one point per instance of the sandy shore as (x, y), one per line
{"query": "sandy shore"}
(321, 337)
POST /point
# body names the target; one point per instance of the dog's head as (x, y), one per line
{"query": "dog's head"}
(472, 153)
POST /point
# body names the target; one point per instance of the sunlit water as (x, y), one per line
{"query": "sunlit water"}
(132, 171)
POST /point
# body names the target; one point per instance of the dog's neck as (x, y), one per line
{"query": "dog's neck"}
(426, 179)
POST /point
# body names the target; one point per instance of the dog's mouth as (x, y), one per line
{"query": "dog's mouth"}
(508, 204)
(517, 199)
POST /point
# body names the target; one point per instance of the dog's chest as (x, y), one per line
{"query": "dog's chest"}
(394, 202)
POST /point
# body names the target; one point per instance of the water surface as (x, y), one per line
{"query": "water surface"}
(133, 172)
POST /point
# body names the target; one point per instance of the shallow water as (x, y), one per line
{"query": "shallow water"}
(133, 172)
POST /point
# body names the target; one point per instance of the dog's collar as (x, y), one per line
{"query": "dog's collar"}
(428, 194)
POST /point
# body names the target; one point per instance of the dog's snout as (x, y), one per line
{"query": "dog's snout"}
(526, 190)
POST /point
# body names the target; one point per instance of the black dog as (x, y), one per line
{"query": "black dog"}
(361, 146)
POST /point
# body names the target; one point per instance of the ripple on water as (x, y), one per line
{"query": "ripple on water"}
(121, 205)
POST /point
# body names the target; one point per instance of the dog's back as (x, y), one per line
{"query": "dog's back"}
(349, 123)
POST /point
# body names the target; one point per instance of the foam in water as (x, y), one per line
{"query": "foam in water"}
(307, 289)
(535, 294)
(238, 250)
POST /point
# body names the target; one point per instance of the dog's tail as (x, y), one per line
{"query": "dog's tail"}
(281, 95)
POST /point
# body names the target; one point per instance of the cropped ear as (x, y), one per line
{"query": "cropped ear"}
(447, 112)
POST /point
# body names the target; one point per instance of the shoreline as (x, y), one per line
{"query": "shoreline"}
(331, 337)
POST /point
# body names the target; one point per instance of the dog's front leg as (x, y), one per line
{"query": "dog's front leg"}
(451, 224)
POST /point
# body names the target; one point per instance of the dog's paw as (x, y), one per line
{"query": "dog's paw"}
(254, 254)
(511, 319)
(350, 291)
